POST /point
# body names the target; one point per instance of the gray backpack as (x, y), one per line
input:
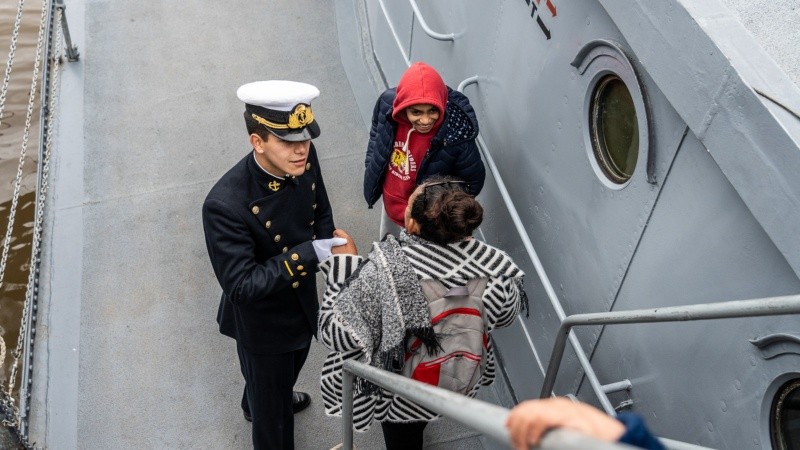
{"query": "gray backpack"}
(459, 320)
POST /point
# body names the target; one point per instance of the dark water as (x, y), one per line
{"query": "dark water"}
(12, 293)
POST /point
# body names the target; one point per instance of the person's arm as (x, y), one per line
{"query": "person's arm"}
(469, 167)
(503, 295)
(371, 179)
(336, 270)
(636, 432)
(528, 422)
(232, 252)
(373, 132)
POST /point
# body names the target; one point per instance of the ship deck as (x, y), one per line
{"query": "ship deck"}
(128, 354)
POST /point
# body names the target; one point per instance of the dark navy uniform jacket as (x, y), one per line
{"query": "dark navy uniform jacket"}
(259, 242)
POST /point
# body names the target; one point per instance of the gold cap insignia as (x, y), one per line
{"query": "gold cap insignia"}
(301, 116)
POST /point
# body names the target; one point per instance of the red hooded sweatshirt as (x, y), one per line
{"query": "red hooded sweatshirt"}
(419, 85)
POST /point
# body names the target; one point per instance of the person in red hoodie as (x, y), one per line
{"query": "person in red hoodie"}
(419, 129)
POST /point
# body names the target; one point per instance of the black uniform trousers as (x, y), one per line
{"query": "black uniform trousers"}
(269, 380)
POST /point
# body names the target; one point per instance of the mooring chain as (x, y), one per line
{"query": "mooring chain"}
(7, 402)
(18, 180)
(10, 63)
(29, 307)
(25, 137)
(10, 410)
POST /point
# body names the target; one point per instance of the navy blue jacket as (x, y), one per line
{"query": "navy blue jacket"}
(453, 150)
(259, 243)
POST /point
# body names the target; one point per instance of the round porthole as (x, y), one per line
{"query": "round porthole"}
(785, 417)
(614, 129)
(616, 133)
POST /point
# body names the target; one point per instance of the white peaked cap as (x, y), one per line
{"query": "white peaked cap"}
(278, 95)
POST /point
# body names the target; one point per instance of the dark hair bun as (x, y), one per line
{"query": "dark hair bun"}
(451, 216)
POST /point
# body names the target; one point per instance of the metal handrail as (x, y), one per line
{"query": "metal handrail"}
(770, 306)
(484, 417)
(426, 28)
(537, 263)
(423, 24)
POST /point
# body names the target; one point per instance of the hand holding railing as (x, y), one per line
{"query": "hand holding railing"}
(486, 418)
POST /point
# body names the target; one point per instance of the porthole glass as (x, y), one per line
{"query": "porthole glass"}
(614, 129)
(785, 417)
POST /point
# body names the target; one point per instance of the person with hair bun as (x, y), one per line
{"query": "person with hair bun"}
(374, 309)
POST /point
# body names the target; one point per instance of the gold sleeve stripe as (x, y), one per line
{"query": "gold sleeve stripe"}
(289, 269)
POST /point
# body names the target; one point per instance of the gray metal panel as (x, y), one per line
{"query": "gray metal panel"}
(705, 382)
(692, 50)
(590, 238)
(358, 60)
(390, 27)
(475, 23)
(532, 117)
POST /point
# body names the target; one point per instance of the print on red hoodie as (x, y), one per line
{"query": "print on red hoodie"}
(419, 85)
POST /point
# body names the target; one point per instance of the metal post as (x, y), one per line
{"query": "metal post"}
(72, 50)
(347, 409)
(623, 385)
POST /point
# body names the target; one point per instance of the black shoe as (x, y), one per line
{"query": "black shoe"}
(247, 416)
(300, 401)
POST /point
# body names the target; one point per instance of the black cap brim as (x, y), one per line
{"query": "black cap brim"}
(310, 131)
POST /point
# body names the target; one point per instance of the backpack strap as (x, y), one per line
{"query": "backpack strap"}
(434, 289)
(476, 286)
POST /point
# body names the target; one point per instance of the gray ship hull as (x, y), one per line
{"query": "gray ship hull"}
(709, 214)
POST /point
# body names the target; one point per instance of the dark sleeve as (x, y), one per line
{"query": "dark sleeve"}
(636, 433)
(373, 132)
(369, 177)
(231, 249)
(469, 167)
(323, 213)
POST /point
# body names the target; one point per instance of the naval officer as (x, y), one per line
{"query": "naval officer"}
(268, 223)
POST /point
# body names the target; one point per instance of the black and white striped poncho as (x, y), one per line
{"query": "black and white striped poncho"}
(453, 265)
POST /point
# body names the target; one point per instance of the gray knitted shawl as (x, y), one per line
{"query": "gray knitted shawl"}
(382, 316)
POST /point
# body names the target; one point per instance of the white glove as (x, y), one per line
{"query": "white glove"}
(322, 247)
